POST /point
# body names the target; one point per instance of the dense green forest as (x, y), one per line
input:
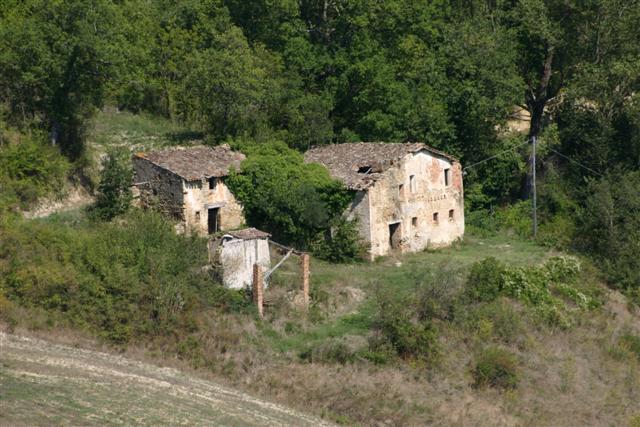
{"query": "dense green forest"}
(449, 73)
(541, 320)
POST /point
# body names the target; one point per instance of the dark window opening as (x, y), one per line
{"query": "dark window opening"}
(412, 183)
(447, 177)
(364, 169)
(395, 235)
(435, 217)
(451, 213)
(401, 191)
(414, 221)
(213, 220)
(212, 183)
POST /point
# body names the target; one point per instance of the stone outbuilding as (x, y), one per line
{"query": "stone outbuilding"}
(235, 253)
(188, 185)
(407, 196)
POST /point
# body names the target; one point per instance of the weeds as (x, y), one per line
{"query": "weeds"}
(496, 367)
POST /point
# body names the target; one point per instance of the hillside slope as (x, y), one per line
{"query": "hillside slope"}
(48, 384)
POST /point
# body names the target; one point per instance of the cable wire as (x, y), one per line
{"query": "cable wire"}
(495, 155)
(576, 162)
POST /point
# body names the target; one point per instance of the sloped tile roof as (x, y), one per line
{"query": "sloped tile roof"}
(248, 234)
(360, 164)
(194, 163)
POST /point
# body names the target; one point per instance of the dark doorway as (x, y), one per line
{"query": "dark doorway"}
(395, 235)
(213, 220)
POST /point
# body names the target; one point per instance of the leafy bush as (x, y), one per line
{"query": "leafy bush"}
(342, 244)
(29, 170)
(114, 191)
(293, 200)
(497, 319)
(496, 367)
(539, 286)
(485, 280)
(129, 279)
(398, 327)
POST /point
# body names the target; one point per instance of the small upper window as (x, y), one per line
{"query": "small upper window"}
(212, 183)
(401, 191)
(412, 183)
(447, 177)
(451, 214)
(414, 221)
(435, 217)
(198, 216)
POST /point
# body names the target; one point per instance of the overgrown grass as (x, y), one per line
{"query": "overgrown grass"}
(138, 132)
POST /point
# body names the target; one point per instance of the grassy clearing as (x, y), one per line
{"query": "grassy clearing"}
(138, 132)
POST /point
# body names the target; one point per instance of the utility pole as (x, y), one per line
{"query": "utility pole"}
(533, 186)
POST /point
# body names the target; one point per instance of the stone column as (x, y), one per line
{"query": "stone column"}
(258, 289)
(305, 279)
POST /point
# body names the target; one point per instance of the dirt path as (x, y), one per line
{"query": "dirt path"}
(47, 384)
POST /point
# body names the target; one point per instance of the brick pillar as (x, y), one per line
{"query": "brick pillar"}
(258, 289)
(305, 279)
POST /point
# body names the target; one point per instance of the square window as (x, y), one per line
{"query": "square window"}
(414, 221)
(435, 217)
(447, 177)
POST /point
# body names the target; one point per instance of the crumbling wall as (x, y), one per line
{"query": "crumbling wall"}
(415, 210)
(236, 257)
(199, 198)
(158, 188)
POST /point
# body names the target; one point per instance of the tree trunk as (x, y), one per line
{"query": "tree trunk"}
(536, 99)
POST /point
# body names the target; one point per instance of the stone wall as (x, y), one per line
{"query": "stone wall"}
(198, 198)
(236, 258)
(413, 206)
(158, 188)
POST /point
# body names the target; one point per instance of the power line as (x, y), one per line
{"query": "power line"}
(495, 155)
(576, 162)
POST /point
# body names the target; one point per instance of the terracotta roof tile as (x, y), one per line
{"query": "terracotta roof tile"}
(194, 163)
(360, 164)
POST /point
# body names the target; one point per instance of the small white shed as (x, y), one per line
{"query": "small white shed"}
(236, 252)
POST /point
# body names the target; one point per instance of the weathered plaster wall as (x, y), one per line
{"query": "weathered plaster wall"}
(199, 198)
(158, 188)
(414, 209)
(236, 258)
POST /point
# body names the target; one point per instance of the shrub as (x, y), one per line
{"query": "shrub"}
(537, 286)
(342, 244)
(114, 190)
(122, 280)
(29, 170)
(498, 319)
(486, 280)
(398, 327)
(496, 367)
(293, 200)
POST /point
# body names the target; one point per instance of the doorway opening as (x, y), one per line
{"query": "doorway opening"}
(213, 220)
(395, 235)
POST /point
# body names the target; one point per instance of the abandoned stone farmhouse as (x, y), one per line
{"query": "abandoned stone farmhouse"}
(407, 196)
(188, 185)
